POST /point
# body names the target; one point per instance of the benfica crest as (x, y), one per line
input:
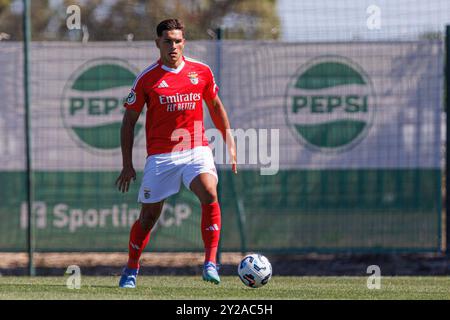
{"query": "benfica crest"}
(193, 76)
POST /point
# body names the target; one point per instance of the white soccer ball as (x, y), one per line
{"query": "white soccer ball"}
(255, 270)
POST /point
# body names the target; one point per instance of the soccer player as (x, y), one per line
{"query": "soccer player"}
(173, 89)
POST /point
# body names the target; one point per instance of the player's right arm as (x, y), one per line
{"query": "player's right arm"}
(134, 104)
(126, 140)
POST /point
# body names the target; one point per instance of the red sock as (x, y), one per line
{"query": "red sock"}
(211, 225)
(138, 240)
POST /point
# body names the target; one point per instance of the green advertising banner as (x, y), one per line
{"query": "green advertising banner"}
(339, 148)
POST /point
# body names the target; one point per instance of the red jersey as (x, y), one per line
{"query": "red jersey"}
(174, 120)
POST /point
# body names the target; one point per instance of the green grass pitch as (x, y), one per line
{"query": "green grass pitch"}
(192, 287)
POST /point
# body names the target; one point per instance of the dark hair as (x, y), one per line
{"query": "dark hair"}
(169, 24)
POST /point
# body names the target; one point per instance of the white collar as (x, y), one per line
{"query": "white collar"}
(177, 70)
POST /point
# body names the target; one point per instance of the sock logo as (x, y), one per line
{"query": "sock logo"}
(214, 227)
(134, 246)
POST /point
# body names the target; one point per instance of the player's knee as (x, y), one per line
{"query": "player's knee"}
(209, 196)
(147, 222)
(148, 218)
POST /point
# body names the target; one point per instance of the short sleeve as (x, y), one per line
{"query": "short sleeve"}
(136, 98)
(211, 88)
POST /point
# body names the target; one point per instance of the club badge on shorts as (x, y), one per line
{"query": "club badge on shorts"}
(193, 76)
(146, 193)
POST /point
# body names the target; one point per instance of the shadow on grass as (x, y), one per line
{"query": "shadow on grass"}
(286, 265)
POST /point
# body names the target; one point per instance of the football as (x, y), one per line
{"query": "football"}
(255, 270)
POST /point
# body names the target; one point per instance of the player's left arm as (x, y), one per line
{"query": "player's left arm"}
(220, 119)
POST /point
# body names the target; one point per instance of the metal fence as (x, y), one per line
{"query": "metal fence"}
(339, 147)
(339, 121)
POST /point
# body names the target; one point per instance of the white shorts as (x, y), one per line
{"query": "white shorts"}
(163, 173)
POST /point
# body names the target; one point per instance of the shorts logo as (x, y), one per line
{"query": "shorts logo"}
(146, 193)
(330, 104)
(92, 103)
(193, 76)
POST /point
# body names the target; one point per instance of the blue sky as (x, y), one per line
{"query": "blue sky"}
(318, 20)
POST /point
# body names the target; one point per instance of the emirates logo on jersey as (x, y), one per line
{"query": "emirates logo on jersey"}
(180, 102)
(193, 76)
